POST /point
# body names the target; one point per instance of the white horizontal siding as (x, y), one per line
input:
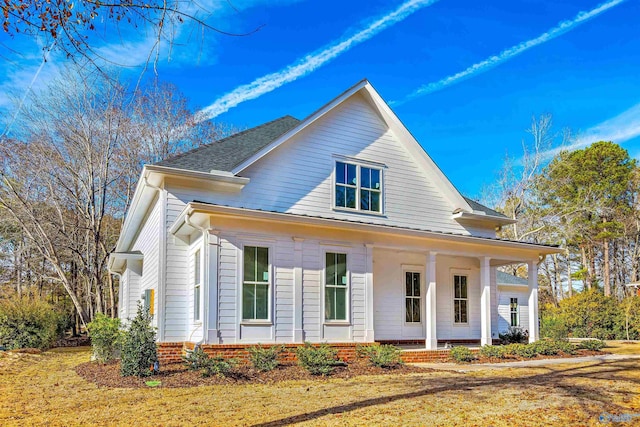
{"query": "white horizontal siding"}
(148, 243)
(297, 177)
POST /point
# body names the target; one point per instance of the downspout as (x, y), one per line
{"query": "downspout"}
(205, 297)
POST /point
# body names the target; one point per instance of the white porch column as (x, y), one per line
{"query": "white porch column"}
(485, 301)
(532, 272)
(298, 334)
(369, 335)
(212, 243)
(431, 341)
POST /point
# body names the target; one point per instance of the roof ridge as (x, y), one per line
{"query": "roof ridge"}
(221, 140)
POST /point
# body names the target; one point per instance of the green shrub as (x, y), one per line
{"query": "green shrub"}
(382, 356)
(594, 345)
(462, 354)
(553, 326)
(546, 347)
(195, 359)
(319, 360)
(494, 351)
(106, 337)
(139, 355)
(514, 335)
(198, 360)
(264, 359)
(525, 351)
(29, 323)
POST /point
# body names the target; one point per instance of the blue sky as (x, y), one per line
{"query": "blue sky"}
(586, 73)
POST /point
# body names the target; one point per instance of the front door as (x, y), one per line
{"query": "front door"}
(413, 305)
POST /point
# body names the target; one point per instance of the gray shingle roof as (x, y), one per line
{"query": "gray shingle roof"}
(479, 207)
(509, 279)
(225, 154)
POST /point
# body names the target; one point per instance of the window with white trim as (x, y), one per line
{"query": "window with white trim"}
(197, 285)
(513, 309)
(358, 187)
(460, 299)
(412, 297)
(335, 287)
(255, 284)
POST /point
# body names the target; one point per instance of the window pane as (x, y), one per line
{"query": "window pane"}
(262, 302)
(329, 303)
(456, 281)
(341, 304)
(408, 287)
(249, 263)
(416, 309)
(340, 170)
(463, 281)
(416, 284)
(351, 175)
(196, 303)
(456, 311)
(514, 319)
(375, 201)
(364, 200)
(340, 196)
(248, 300)
(263, 265)
(196, 267)
(330, 270)
(365, 177)
(456, 287)
(375, 179)
(463, 311)
(408, 310)
(463, 288)
(341, 269)
(350, 197)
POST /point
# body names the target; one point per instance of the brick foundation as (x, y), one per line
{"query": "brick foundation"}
(171, 352)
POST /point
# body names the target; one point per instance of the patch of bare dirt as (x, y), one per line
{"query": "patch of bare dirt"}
(176, 374)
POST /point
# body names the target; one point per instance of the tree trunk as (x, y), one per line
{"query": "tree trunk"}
(569, 281)
(586, 266)
(606, 270)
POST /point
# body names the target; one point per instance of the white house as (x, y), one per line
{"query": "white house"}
(337, 228)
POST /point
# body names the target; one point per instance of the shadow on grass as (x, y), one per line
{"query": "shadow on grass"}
(555, 378)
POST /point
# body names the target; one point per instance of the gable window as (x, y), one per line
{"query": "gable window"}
(460, 299)
(197, 285)
(255, 284)
(358, 187)
(513, 309)
(335, 287)
(412, 297)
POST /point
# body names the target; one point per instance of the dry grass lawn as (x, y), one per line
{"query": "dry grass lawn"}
(45, 390)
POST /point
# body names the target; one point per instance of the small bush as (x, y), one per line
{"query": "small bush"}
(514, 335)
(526, 351)
(29, 323)
(565, 346)
(594, 345)
(139, 355)
(493, 351)
(553, 327)
(264, 359)
(195, 359)
(319, 360)
(198, 360)
(462, 354)
(106, 337)
(546, 347)
(382, 356)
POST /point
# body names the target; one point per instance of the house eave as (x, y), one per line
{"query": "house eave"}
(118, 260)
(482, 218)
(193, 208)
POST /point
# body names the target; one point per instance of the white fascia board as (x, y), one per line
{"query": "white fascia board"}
(151, 179)
(205, 208)
(484, 218)
(302, 125)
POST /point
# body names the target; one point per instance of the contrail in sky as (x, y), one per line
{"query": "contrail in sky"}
(505, 55)
(621, 128)
(310, 62)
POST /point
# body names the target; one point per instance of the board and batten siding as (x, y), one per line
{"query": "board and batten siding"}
(297, 177)
(148, 243)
